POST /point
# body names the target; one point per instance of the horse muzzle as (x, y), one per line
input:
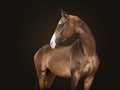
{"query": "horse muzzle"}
(55, 41)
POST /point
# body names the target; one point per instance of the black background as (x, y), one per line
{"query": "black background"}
(28, 25)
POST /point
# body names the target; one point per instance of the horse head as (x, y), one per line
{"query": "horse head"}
(66, 28)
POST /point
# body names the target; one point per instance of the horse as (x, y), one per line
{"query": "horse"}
(76, 61)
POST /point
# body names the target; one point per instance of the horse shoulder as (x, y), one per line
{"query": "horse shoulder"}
(39, 57)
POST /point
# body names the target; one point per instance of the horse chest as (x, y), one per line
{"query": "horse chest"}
(59, 64)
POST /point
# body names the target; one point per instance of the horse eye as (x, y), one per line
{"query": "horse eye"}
(61, 25)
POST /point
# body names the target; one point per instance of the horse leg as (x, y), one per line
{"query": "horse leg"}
(49, 80)
(88, 82)
(75, 79)
(41, 77)
(41, 74)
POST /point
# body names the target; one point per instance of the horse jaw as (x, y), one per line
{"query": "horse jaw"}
(52, 41)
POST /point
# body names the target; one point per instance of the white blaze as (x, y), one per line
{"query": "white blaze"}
(52, 41)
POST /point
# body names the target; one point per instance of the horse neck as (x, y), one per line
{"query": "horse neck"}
(87, 42)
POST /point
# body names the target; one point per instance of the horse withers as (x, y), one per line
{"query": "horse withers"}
(76, 61)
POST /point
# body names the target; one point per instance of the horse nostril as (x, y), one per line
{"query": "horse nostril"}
(51, 43)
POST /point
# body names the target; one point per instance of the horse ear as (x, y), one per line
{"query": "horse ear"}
(63, 13)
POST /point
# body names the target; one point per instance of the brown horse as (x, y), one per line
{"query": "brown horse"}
(75, 61)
